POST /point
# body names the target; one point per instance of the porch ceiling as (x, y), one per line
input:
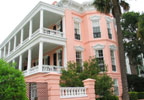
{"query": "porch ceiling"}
(47, 47)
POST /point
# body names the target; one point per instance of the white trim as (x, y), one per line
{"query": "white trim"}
(95, 17)
(98, 46)
(112, 47)
(108, 19)
(79, 48)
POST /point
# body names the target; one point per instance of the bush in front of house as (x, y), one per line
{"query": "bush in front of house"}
(133, 95)
(140, 95)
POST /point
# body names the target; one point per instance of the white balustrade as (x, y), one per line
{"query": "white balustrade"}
(51, 68)
(52, 32)
(25, 73)
(34, 70)
(66, 92)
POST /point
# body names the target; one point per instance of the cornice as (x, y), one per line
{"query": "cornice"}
(112, 47)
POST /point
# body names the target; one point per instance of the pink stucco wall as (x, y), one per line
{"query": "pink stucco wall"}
(87, 41)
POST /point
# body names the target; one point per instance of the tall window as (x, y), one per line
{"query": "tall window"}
(100, 58)
(116, 89)
(109, 30)
(79, 57)
(96, 29)
(113, 60)
(60, 57)
(77, 30)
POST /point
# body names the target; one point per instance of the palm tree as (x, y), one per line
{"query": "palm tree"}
(114, 6)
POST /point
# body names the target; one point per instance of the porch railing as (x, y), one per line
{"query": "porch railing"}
(51, 68)
(66, 92)
(45, 68)
(52, 32)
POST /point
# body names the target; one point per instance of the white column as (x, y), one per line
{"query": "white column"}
(20, 62)
(63, 23)
(4, 51)
(41, 21)
(15, 42)
(30, 29)
(9, 45)
(65, 57)
(0, 53)
(29, 59)
(40, 56)
(21, 40)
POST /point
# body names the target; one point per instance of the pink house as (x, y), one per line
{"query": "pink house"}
(51, 35)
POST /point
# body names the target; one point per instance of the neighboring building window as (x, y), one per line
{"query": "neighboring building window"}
(100, 58)
(109, 30)
(116, 89)
(77, 30)
(96, 29)
(79, 57)
(113, 60)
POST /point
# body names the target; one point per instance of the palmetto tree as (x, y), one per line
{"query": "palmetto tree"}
(114, 6)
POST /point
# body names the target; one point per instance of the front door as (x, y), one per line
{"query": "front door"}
(33, 91)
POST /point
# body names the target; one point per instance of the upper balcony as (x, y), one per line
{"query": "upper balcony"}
(44, 21)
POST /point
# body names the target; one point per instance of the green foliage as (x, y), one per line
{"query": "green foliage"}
(141, 27)
(12, 84)
(133, 95)
(109, 97)
(135, 83)
(103, 85)
(140, 95)
(132, 45)
(74, 76)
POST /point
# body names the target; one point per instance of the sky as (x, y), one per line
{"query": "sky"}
(12, 12)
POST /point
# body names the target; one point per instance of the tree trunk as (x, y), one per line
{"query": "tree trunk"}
(125, 95)
(133, 67)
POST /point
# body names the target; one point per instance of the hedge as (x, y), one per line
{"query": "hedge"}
(136, 95)
(140, 95)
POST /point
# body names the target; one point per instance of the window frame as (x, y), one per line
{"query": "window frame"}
(114, 57)
(96, 26)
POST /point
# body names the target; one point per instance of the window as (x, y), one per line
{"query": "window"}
(77, 30)
(33, 91)
(96, 29)
(79, 57)
(116, 89)
(59, 58)
(109, 30)
(100, 58)
(113, 60)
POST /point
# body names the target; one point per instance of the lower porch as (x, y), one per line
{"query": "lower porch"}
(42, 58)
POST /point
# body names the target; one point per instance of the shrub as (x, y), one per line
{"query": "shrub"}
(133, 95)
(140, 95)
(110, 97)
(12, 84)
